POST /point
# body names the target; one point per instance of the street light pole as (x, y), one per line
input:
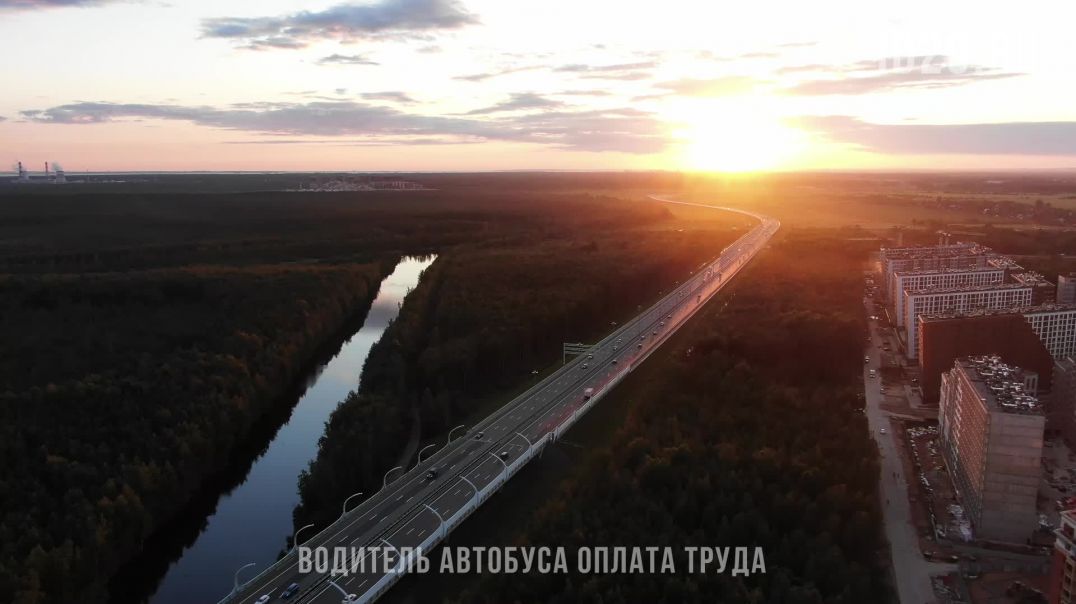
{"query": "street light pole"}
(451, 431)
(235, 582)
(385, 480)
(350, 497)
(295, 539)
(439, 518)
(505, 464)
(347, 597)
(423, 451)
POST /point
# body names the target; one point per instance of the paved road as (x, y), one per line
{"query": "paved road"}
(911, 570)
(411, 509)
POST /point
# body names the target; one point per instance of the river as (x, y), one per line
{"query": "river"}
(252, 521)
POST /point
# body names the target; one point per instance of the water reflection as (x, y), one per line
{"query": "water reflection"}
(251, 522)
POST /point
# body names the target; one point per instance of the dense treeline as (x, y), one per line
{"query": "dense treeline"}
(482, 318)
(145, 334)
(749, 435)
(122, 392)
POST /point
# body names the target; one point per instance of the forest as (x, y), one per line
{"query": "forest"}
(735, 438)
(145, 335)
(485, 316)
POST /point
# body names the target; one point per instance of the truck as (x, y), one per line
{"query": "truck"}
(589, 392)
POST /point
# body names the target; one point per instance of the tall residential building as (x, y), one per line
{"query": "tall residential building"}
(991, 427)
(1061, 407)
(1062, 581)
(1066, 289)
(937, 301)
(940, 278)
(1007, 333)
(959, 255)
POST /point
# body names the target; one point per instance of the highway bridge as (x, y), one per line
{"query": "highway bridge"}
(419, 509)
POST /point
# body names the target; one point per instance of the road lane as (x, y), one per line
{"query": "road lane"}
(400, 515)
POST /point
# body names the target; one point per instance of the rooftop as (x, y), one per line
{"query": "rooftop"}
(1013, 310)
(1000, 385)
(956, 249)
(946, 271)
(966, 288)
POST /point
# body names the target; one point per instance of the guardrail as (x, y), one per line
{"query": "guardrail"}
(761, 237)
(724, 266)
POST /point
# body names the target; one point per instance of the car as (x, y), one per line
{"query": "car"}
(263, 599)
(590, 356)
(479, 436)
(915, 380)
(504, 455)
(866, 359)
(655, 333)
(614, 348)
(290, 591)
(661, 324)
(882, 431)
(614, 361)
(585, 365)
(639, 346)
(431, 474)
(669, 317)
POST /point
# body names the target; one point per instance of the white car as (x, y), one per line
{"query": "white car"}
(263, 599)
(882, 431)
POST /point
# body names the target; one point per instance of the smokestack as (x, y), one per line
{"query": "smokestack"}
(46, 168)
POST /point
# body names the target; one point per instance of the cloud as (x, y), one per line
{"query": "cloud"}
(624, 130)
(922, 72)
(388, 95)
(39, 4)
(589, 92)
(722, 86)
(483, 76)
(518, 101)
(384, 20)
(339, 59)
(619, 71)
(1005, 138)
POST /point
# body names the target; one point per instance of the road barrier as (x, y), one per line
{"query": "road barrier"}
(721, 272)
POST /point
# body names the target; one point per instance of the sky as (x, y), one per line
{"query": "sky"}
(459, 85)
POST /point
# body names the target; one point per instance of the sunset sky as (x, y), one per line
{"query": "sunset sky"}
(519, 84)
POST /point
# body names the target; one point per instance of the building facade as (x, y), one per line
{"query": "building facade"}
(1066, 289)
(990, 427)
(945, 338)
(940, 278)
(940, 301)
(1062, 582)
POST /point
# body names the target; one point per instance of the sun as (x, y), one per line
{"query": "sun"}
(723, 139)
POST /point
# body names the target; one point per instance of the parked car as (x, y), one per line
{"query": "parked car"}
(290, 591)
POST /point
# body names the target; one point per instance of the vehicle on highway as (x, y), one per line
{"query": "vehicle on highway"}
(662, 324)
(585, 365)
(614, 361)
(590, 356)
(504, 454)
(290, 591)
(669, 317)
(866, 359)
(589, 392)
(655, 333)
(263, 599)
(873, 373)
(639, 346)
(882, 431)
(431, 474)
(479, 436)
